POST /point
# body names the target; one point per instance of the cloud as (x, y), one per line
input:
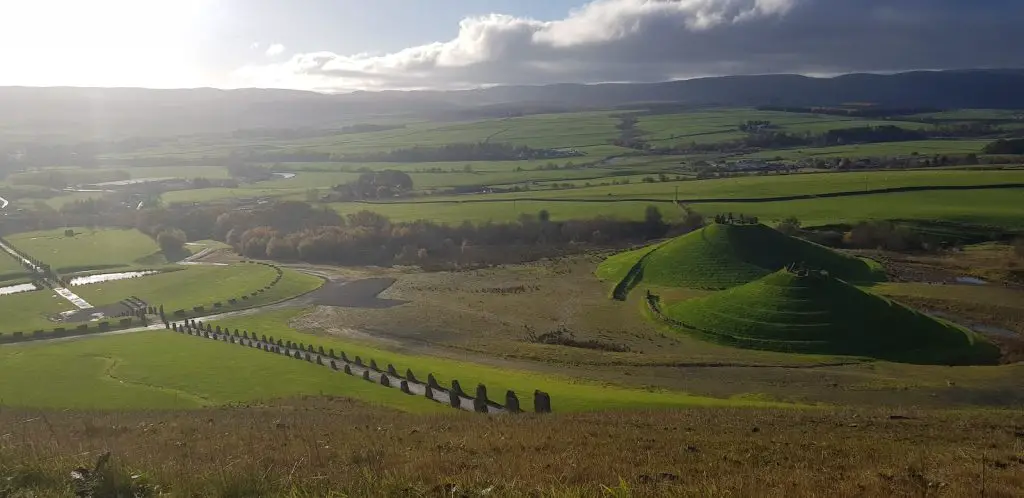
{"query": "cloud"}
(655, 40)
(274, 50)
(255, 45)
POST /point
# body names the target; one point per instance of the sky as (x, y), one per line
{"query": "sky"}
(348, 45)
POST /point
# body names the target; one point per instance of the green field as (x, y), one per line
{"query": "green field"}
(722, 125)
(10, 268)
(161, 370)
(567, 394)
(767, 186)
(201, 286)
(88, 249)
(984, 207)
(815, 313)
(30, 311)
(722, 256)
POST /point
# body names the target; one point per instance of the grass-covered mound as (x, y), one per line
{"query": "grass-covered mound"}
(720, 256)
(810, 312)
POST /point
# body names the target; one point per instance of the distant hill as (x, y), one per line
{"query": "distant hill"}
(99, 113)
(720, 256)
(815, 313)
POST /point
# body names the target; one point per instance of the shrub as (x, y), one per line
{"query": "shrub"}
(456, 387)
(334, 366)
(83, 326)
(373, 365)
(366, 375)
(404, 386)
(409, 376)
(179, 313)
(347, 369)
(392, 371)
(385, 381)
(454, 399)
(359, 361)
(125, 322)
(432, 382)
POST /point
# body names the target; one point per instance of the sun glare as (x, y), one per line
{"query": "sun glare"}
(100, 42)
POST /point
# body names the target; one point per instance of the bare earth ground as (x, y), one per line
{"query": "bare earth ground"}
(335, 447)
(487, 316)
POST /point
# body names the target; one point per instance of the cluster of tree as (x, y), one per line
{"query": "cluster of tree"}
(752, 125)
(884, 235)
(370, 238)
(249, 173)
(736, 219)
(479, 151)
(869, 134)
(374, 185)
(912, 161)
(630, 136)
(1003, 146)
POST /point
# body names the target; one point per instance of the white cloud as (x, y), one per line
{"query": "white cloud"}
(255, 46)
(274, 50)
(650, 40)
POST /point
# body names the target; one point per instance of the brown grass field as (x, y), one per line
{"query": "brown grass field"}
(332, 447)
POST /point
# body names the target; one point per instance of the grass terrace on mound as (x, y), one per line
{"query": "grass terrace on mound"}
(720, 256)
(811, 312)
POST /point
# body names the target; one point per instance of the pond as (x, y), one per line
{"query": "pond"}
(970, 281)
(15, 289)
(109, 277)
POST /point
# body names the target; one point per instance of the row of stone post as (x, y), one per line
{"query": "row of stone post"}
(541, 400)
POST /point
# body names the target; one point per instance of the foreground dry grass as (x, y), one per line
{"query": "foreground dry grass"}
(331, 447)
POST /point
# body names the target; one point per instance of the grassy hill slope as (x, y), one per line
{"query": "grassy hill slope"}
(813, 313)
(721, 256)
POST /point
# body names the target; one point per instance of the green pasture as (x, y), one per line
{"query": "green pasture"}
(11, 268)
(88, 249)
(202, 285)
(766, 186)
(567, 394)
(30, 311)
(722, 125)
(164, 370)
